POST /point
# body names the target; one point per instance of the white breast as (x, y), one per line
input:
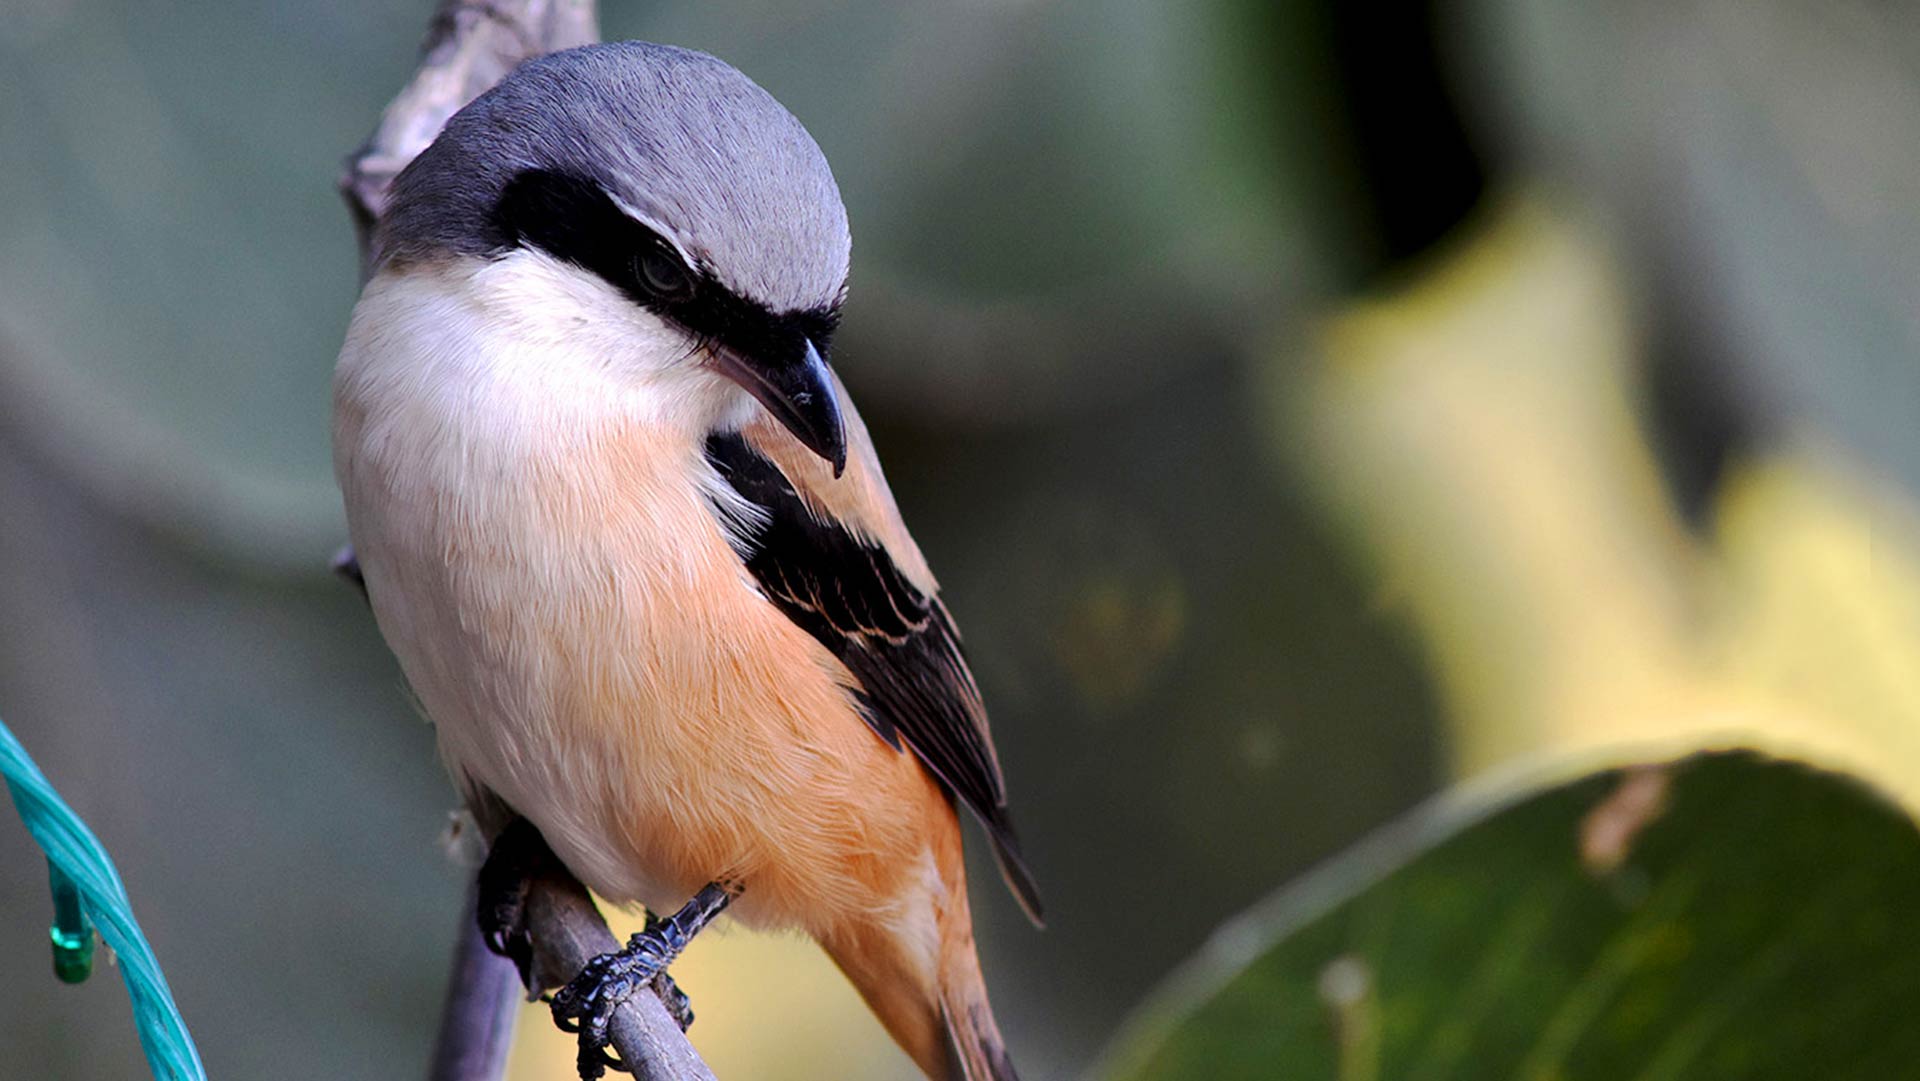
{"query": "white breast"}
(519, 450)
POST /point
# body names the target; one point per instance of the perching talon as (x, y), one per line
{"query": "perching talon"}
(679, 1006)
(518, 853)
(586, 1004)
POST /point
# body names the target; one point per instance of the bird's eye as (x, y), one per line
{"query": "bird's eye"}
(662, 274)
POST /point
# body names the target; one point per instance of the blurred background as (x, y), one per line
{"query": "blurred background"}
(1305, 404)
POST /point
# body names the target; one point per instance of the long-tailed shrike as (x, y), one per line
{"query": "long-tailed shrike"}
(628, 537)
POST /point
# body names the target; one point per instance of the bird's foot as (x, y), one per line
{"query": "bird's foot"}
(518, 854)
(679, 1006)
(586, 1004)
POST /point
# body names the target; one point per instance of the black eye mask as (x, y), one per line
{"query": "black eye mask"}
(574, 219)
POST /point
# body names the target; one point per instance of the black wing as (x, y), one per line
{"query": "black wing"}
(899, 643)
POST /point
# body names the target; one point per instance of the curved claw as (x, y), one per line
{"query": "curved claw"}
(593, 1062)
(678, 1005)
(586, 1004)
(500, 908)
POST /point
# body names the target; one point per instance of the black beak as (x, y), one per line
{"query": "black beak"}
(799, 393)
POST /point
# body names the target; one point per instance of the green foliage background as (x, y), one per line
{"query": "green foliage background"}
(1753, 930)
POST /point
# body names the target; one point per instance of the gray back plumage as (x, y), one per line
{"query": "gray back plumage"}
(678, 135)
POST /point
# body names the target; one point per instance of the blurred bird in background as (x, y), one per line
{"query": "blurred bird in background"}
(631, 544)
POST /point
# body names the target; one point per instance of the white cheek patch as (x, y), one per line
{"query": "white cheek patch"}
(543, 329)
(537, 299)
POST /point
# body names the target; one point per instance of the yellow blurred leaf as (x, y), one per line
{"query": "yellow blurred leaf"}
(1820, 601)
(1475, 434)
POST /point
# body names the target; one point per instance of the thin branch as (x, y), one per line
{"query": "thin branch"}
(483, 1000)
(469, 47)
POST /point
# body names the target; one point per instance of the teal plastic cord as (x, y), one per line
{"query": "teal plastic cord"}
(87, 892)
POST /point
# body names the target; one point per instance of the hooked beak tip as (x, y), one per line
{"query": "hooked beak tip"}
(801, 396)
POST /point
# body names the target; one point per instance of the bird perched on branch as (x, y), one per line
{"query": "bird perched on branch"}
(622, 526)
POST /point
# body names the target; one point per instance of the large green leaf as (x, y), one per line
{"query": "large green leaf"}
(1760, 923)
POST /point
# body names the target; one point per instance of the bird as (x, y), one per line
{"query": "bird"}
(620, 523)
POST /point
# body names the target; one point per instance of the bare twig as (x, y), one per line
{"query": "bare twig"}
(483, 999)
(470, 46)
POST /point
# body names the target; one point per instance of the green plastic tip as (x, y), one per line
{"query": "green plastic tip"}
(72, 956)
(72, 931)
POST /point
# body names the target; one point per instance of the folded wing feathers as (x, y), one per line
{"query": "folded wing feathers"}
(899, 643)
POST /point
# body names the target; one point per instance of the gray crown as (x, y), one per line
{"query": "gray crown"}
(678, 135)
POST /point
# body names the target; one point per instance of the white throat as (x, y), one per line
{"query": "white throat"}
(526, 342)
